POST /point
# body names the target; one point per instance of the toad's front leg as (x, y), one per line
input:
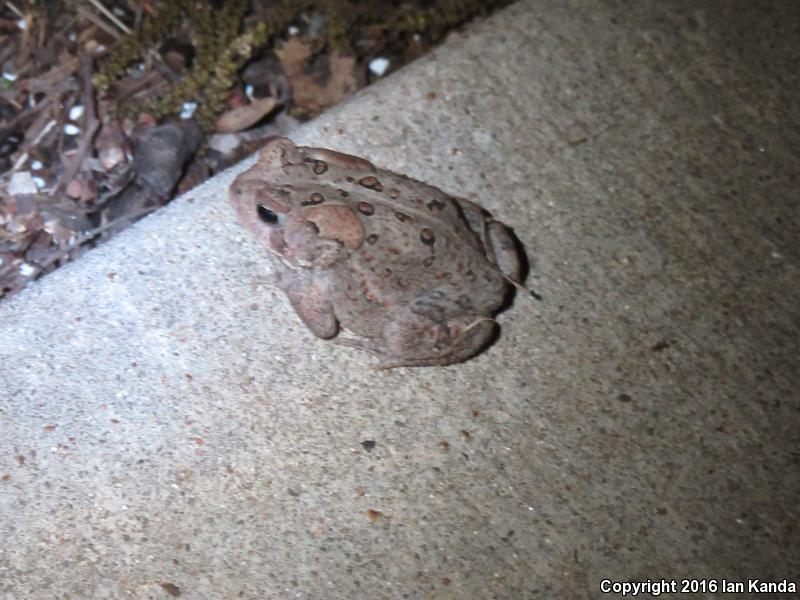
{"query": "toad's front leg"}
(309, 296)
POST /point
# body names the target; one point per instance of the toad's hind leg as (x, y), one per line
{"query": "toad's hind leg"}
(414, 340)
(498, 239)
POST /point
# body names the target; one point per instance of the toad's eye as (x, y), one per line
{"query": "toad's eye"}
(266, 215)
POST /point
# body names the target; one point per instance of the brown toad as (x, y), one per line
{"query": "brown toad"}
(414, 274)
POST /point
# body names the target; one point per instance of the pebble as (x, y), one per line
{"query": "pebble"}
(26, 270)
(379, 65)
(188, 110)
(76, 112)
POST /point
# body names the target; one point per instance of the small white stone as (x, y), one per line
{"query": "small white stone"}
(224, 143)
(22, 24)
(379, 65)
(26, 270)
(10, 76)
(248, 91)
(188, 110)
(39, 182)
(36, 165)
(76, 112)
(21, 183)
(71, 129)
(293, 30)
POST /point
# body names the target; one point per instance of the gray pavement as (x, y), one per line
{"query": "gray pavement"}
(169, 428)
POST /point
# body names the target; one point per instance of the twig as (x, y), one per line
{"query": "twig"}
(24, 156)
(14, 9)
(85, 237)
(124, 28)
(89, 14)
(90, 124)
(21, 116)
(137, 19)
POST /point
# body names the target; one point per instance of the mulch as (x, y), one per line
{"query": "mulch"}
(108, 110)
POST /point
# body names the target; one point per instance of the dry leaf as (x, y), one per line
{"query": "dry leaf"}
(22, 183)
(82, 189)
(322, 84)
(342, 82)
(112, 146)
(162, 154)
(245, 116)
(294, 55)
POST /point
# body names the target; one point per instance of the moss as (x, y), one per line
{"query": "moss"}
(222, 45)
(341, 18)
(214, 34)
(132, 47)
(437, 19)
(220, 51)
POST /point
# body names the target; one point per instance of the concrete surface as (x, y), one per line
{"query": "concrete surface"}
(168, 428)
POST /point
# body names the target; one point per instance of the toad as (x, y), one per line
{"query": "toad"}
(413, 275)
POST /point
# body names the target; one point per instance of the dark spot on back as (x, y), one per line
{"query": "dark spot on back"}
(426, 236)
(436, 206)
(320, 166)
(343, 193)
(372, 238)
(365, 208)
(372, 183)
(402, 217)
(315, 198)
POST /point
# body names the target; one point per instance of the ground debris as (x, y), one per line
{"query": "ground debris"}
(109, 108)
